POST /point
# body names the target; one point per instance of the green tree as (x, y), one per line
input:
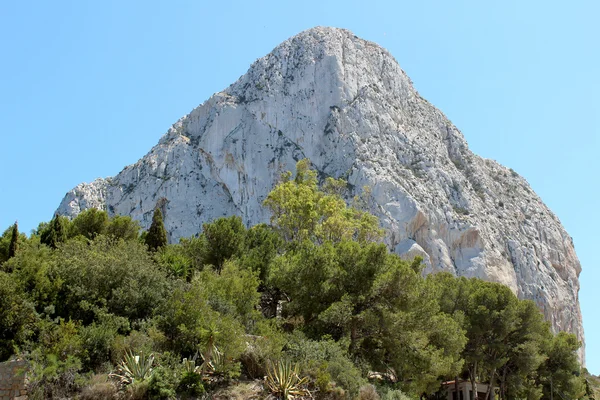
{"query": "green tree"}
(233, 292)
(157, 234)
(194, 249)
(55, 360)
(34, 271)
(123, 227)
(489, 315)
(262, 245)
(559, 374)
(17, 317)
(189, 323)
(369, 297)
(111, 276)
(89, 223)
(300, 210)
(14, 241)
(5, 240)
(523, 353)
(224, 238)
(55, 232)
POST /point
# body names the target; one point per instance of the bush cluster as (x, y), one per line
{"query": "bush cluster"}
(314, 301)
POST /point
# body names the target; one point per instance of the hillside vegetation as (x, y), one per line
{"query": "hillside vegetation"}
(312, 305)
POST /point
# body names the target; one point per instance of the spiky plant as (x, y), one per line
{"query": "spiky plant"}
(134, 368)
(284, 382)
(189, 366)
(213, 360)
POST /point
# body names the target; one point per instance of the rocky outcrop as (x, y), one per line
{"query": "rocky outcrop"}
(345, 104)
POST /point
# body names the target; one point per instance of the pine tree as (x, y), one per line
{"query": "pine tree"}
(14, 244)
(157, 235)
(55, 233)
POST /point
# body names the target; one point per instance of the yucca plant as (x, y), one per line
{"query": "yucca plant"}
(134, 368)
(283, 381)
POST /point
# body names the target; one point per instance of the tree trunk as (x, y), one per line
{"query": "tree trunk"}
(491, 385)
(456, 387)
(473, 377)
(503, 384)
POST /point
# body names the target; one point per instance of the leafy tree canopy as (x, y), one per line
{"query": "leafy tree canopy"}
(157, 234)
(300, 210)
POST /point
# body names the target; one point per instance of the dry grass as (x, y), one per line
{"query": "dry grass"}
(99, 387)
(368, 392)
(252, 390)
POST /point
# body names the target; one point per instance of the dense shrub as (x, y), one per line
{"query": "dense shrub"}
(117, 276)
(315, 290)
(17, 317)
(326, 361)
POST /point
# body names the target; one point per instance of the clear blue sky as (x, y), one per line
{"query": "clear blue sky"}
(88, 87)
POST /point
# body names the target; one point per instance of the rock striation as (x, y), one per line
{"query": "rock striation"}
(346, 104)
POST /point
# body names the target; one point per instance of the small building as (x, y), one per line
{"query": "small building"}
(465, 391)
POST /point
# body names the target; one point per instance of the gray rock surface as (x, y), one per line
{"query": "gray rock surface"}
(345, 104)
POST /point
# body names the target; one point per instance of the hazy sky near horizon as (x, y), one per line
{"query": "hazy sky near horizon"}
(89, 87)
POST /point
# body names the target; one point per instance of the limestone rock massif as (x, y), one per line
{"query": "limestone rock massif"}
(345, 104)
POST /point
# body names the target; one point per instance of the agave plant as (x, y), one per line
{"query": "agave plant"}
(213, 360)
(189, 366)
(134, 368)
(283, 381)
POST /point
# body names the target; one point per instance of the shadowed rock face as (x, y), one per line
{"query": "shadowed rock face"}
(345, 104)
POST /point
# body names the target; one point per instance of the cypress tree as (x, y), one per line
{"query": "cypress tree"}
(14, 244)
(157, 235)
(55, 233)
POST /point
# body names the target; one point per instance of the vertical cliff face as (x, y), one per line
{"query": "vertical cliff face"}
(345, 104)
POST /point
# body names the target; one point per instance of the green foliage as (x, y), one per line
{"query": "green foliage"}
(508, 340)
(98, 338)
(189, 323)
(157, 234)
(134, 368)
(301, 211)
(17, 317)
(266, 343)
(13, 246)
(191, 385)
(120, 227)
(174, 260)
(283, 381)
(134, 342)
(368, 296)
(234, 293)
(78, 296)
(393, 394)
(560, 373)
(55, 232)
(34, 270)
(224, 239)
(119, 277)
(56, 360)
(89, 223)
(262, 244)
(327, 362)
(5, 243)
(523, 352)
(194, 249)
(162, 384)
